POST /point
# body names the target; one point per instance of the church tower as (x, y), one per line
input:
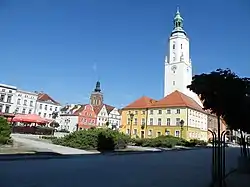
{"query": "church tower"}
(178, 66)
(96, 98)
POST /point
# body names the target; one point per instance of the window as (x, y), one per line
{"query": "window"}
(178, 111)
(41, 106)
(177, 133)
(55, 108)
(17, 110)
(7, 109)
(159, 111)
(168, 121)
(143, 121)
(178, 121)
(44, 115)
(173, 46)
(49, 115)
(168, 111)
(1, 108)
(9, 99)
(127, 131)
(25, 102)
(151, 121)
(31, 103)
(159, 121)
(3, 90)
(135, 131)
(167, 132)
(23, 111)
(150, 132)
(181, 46)
(135, 122)
(158, 133)
(128, 121)
(151, 112)
(136, 112)
(30, 110)
(45, 107)
(143, 112)
(173, 82)
(39, 113)
(2, 97)
(19, 101)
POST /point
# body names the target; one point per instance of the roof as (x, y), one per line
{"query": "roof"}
(109, 108)
(143, 102)
(97, 109)
(46, 98)
(177, 99)
(82, 107)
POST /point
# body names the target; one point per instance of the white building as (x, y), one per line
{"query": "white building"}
(67, 122)
(178, 65)
(114, 118)
(7, 98)
(25, 102)
(45, 106)
(102, 115)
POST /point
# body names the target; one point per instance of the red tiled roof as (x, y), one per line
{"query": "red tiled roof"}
(97, 109)
(177, 99)
(45, 97)
(143, 102)
(79, 110)
(109, 108)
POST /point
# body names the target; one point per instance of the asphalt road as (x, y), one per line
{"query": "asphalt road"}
(166, 169)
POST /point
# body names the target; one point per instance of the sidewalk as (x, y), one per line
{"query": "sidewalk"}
(237, 179)
(48, 147)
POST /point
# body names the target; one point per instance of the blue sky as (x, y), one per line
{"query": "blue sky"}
(62, 47)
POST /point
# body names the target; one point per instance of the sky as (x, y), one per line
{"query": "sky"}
(63, 47)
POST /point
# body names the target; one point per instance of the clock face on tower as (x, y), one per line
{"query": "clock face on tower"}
(173, 68)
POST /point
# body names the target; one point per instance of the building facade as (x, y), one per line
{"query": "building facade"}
(68, 122)
(25, 102)
(114, 118)
(46, 105)
(176, 114)
(102, 115)
(87, 117)
(178, 65)
(7, 98)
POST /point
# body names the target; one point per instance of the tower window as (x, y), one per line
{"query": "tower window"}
(173, 46)
(173, 82)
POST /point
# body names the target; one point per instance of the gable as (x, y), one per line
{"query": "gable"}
(115, 111)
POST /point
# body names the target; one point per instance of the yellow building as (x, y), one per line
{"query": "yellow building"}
(176, 115)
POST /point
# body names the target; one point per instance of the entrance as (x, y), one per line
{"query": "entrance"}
(142, 134)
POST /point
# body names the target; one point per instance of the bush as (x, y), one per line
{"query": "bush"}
(101, 139)
(33, 130)
(168, 142)
(5, 131)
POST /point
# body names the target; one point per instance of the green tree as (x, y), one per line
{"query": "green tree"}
(226, 95)
(5, 131)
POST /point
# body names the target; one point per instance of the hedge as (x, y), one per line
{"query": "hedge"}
(94, 139)
(167, 142)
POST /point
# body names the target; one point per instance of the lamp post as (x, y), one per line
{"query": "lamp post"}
(131, 121)
(181, 123)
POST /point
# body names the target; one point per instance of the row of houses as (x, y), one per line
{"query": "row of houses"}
(77, 117)
(16, 101)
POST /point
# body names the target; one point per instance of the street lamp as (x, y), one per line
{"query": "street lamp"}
(131, 121)
(181, 123)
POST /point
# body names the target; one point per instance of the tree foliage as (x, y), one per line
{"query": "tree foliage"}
(5, 131)
(225, 94)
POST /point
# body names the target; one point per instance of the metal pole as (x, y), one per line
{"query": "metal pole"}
(219, 153)
(130, 133)
(214, 173)
(223, 137)
(247, 142)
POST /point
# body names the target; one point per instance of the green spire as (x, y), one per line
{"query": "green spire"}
(178, 23)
